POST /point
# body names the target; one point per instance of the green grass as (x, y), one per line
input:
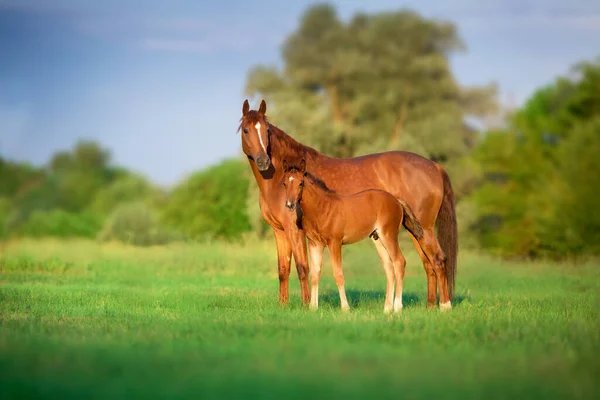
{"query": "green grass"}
(81, 320)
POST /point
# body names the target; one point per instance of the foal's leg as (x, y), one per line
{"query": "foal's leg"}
(389, 273)
(390, 242)
(316, 258)
(284, 257)
(335, 251)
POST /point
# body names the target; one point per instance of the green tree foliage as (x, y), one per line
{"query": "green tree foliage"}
(211, 203)
(379, 82)
(13, 177)
(539, 197)
(127, 188)
(69, 183)
(59, 223)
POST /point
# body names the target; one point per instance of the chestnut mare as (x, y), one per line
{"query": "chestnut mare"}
(423, 184)
(331, 220)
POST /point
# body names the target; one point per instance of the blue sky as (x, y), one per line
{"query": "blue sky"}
(161, 83)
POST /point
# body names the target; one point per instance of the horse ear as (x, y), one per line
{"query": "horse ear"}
(285, 165)
(263, 108)
(245, 107)
(303, 166)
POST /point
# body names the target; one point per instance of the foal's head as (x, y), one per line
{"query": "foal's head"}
(293, 181)
(255, 135)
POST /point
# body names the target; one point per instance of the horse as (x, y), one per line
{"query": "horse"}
(332, 220)
(422, 183)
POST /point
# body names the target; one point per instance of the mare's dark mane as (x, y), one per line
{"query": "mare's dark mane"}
(289, 145)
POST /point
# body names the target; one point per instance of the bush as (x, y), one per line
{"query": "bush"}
(5, 205)
(211, 203)
(136, 224)
(60, 223)
(125, 189)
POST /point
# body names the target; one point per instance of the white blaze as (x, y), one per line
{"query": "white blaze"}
(257, 126)
(291, 178)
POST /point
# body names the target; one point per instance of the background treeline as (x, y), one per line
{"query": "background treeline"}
(527, 183)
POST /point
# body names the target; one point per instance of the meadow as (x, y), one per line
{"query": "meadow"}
(84, 320)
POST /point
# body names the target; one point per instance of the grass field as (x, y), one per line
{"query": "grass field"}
(81, 320)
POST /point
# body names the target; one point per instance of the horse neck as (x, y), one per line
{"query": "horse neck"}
(316, 201)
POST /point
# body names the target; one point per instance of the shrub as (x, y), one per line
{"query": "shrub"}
(136, 224)
(60, 223)
(211, 203)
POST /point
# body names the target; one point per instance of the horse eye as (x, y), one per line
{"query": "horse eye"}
(245, 130)
(302, 184)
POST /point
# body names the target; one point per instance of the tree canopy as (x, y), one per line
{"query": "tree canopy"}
(540, 192)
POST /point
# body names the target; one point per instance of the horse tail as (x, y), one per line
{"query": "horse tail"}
(410, 221)
(448, 231)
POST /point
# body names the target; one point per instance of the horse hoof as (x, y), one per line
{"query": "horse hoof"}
(313, 307)
(446, 306)
(346, 309)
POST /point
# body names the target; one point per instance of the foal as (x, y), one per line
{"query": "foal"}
(332, 220)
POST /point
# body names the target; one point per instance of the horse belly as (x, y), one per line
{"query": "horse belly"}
(359, 225)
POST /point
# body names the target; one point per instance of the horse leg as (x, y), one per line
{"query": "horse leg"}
(335, 251)
(316, 258)
(284, 258)
(298, 242)
(437, 258)
(430, 272)
(389, 273)
(399, 262)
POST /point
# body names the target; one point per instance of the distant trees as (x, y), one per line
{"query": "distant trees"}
(541, 189)
(377, 82)
(80, 193)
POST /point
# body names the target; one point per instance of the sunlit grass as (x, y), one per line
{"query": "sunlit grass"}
(82, 320)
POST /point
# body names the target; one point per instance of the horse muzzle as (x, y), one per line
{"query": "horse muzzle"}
(290, 205)
(263, 162)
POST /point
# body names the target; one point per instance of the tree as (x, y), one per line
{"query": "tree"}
(379, 82)
(540, 180)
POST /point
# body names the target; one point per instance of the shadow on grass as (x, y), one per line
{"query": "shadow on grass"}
(368, 298)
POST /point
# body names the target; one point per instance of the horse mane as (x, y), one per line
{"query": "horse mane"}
(318, 182)
(315, 180)
(289, 145)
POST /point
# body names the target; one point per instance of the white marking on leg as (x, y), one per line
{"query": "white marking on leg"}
(314, 301)
(446, 306)
(343, 299)
(398, 302)
(257, 126)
